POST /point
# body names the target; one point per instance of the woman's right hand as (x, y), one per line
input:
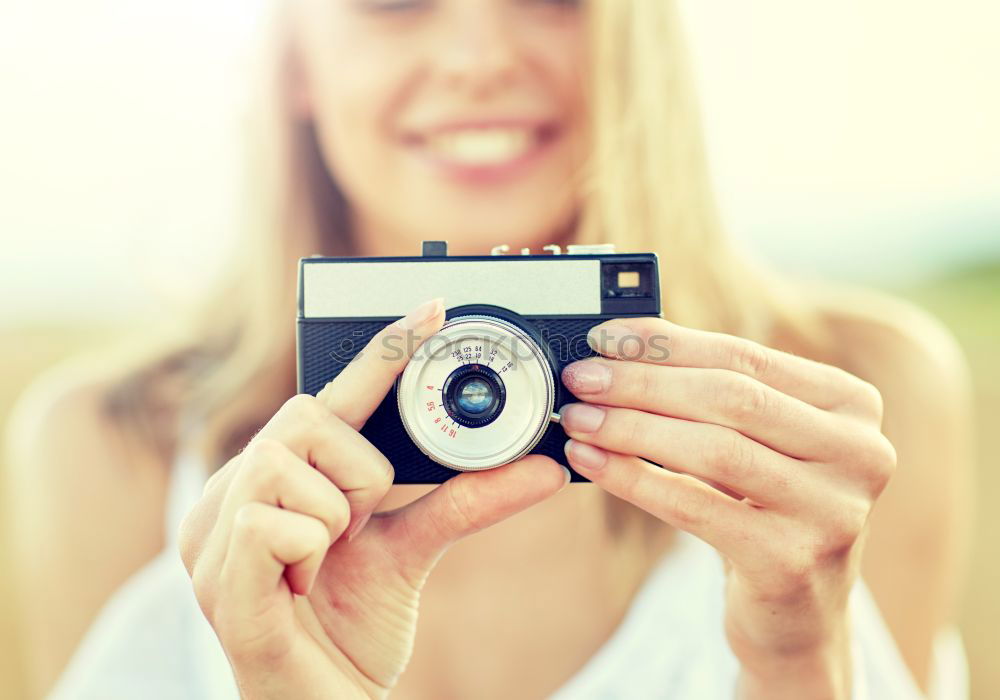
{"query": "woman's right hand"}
(310, 598)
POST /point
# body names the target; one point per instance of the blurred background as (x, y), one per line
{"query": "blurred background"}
(853, 140)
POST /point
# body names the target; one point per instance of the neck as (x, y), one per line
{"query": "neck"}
(555, 572)
(567, 531)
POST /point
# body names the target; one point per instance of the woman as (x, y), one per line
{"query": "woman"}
(735, 572)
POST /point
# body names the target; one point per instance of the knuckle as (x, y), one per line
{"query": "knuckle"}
(881, 462)
(690, 507)
(319, 534)
(749, 358)
(247, 647)
(629, 482)
(387, 474)
(216, 476)
(871, 457)
(462, 510)
(870, 398)
(380, 474)
(248, 522)
(730, 456)
(629, 431)
(305, 407)
(795, 569)
(264, 449)
(262, 470)
(649, 384)
(743, 398)
(843, 528)
(339, 515)
(736, 472)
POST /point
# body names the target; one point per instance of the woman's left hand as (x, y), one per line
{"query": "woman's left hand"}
(773, 459)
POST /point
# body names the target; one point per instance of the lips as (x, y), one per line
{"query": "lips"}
(483, 151)
(482, 147)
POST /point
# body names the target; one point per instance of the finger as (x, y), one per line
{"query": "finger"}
(720, 396)
(319, 437)
(419, 532)
(269, 543)
(358, 390)
(676, 499)
(271, 474)
(316, 438)
(194, 532)
(703, 450)
(658, 341)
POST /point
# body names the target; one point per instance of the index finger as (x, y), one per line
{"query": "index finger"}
(357, 391)
(658, 341)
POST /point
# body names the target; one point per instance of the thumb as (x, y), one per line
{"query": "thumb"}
(420, 532)
(356, 392)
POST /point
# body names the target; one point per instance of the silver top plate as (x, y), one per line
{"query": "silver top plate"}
(390, 289)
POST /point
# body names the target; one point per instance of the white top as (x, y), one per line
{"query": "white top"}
(150, 639)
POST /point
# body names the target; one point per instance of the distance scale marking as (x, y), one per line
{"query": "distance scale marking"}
(478, 395)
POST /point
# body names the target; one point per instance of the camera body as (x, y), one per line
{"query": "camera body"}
(483, 391)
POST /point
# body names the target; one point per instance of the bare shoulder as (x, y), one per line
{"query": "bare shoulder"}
(61, 441)
(915, 553)
(84, 512)
(888, 336)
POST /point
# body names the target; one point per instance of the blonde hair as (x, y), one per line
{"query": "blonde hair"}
(645, 188)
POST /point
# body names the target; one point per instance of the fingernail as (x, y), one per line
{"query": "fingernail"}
(580, 454)
(587, 377)
(420, 315)
(615, 340)
(569, 475)
(356, 527)
(581, 418)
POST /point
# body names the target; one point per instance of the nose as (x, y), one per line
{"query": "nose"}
(477, 52)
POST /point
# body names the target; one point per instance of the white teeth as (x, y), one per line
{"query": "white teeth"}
(478, 147)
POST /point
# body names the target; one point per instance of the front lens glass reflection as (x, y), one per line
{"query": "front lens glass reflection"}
(475, 396)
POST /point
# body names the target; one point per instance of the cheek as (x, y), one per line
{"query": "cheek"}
(352, 127)
(358, 143)
(562, 56)
(560, 60)
(354, 83)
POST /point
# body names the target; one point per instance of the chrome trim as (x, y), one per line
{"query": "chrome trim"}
(591, 249)
(497, 448)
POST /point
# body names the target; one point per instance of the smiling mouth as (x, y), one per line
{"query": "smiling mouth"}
(485, 147)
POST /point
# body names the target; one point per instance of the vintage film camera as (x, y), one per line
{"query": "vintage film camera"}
(483, 391)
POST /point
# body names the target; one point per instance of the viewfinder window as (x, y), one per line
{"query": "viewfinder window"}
(628, 279)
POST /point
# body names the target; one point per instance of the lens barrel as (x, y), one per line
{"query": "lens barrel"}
(478, 394)
(474, 395)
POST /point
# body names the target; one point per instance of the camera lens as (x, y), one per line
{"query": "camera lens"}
(473, 395)
(477, 395)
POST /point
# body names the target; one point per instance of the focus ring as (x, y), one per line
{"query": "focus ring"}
(492, 409)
